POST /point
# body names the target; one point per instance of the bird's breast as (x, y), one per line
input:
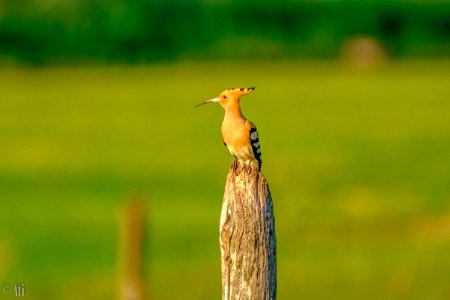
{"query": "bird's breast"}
(234, 133)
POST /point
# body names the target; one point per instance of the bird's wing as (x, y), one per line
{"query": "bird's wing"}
(254, 141)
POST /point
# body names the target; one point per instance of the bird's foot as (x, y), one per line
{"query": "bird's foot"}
(234, 165)
(252, 167)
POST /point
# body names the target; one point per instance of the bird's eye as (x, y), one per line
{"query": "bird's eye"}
(224, 97)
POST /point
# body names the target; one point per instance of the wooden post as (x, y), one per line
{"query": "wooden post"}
(130, 255)
(247, 237)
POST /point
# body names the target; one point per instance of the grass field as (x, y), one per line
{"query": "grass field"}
(358, 164)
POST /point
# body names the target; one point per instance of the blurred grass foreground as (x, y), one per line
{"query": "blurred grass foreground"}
(358, 164)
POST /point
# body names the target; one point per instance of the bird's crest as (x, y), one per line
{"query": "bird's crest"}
(225, 96)
(240, 91)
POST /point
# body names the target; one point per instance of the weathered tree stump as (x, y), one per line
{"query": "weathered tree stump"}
(247, 237)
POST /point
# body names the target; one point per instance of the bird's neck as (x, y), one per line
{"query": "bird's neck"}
(233, 111)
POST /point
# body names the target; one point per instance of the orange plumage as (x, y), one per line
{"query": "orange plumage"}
(238, 133)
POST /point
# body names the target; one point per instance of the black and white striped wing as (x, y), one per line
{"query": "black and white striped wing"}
(256, 147)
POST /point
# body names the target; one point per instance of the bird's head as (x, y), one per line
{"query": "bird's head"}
(229, 96)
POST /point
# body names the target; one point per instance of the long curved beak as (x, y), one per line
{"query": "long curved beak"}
(208, 101)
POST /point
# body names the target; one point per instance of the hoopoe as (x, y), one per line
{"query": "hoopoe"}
(239, 134)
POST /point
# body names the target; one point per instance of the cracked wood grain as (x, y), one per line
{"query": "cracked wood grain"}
(247, 237)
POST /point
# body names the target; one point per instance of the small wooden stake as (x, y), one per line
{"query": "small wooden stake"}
(247, 237)
(130, 255)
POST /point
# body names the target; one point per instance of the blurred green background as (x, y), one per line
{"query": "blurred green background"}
(52, 31)
(352, 104)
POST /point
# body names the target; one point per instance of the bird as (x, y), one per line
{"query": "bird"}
(239, 135)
